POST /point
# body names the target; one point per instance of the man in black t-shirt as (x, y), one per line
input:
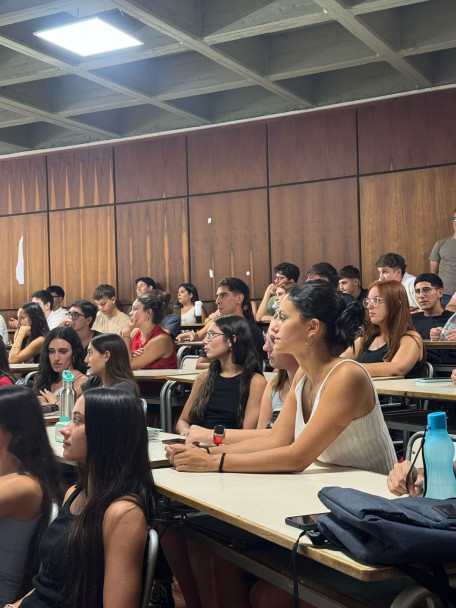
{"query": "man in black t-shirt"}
(428, 291)
(350, 282)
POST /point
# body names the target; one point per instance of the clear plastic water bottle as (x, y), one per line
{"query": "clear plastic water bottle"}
(438, 452)
(449, 326)
(67, 399)
(199, 311)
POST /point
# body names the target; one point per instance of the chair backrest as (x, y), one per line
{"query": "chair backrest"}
(428, 370)
(189, 362)
(414, 445)
(150, 563)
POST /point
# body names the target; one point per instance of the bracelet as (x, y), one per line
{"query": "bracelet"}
(222, 458)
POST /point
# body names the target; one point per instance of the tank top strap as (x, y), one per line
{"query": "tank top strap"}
(71, 498)
(317, 398)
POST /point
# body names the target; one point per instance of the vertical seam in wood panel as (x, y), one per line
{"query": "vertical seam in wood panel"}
(268, 204)
(48, 220)
(116, 249)
(187, 198)
(358, 191)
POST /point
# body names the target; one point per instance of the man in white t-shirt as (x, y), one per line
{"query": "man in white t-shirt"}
(391, 267)
(44, 298)
(58, 313)
(442, 261)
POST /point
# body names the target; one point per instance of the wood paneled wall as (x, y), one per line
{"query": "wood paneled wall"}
(342, 185)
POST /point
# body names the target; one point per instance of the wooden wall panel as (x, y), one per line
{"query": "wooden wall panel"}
(23, 185)
(312, 146)
(145, 170)
(82, 247)
(229, 237)
(413, 131)
(315, 222)
(229, 158)
(405, 212)
(33, 228)
(152, 240)
(80, 178)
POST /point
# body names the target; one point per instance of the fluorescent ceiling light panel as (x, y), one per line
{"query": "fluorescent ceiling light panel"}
(88, 37)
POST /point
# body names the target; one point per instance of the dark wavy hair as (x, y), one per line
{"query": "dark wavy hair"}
(46, 375)
(116, 467)
(238, 286)
(4, 363)
(398, 320)
(39, 325)
(155, 300)
(191, 290)
(118, 366)
(235, 329)
(21, 416)
(320, 300)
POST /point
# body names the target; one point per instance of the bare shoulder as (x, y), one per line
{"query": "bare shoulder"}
(413, 335)
(68, 493)
(123, 511)
(349, 372)
(258, 380)
(22, 486)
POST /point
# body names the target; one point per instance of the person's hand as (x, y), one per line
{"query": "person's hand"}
(213, 315)
(199, 434)
(270, 289)
(451, 335)
(13, 323)
(435, 333)
(137, 352)
(127, 328)
(186, 336)
(49, 397)
(24, 330)
(397, 477)
(191, 458)
(453, 376)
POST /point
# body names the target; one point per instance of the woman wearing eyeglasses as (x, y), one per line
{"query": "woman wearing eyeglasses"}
(62, 349)
(229, 393)
(390, 345)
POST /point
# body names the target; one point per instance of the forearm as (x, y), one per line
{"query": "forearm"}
(263, 307)
(238, 435)
(386, 368)
(182, 427)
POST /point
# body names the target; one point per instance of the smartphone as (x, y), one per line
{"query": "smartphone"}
(174, 440)
(303, 522)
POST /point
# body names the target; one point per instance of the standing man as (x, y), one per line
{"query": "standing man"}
(442, 261)
(283, 273)
(350, 282)
(109, 318)
(391, 267)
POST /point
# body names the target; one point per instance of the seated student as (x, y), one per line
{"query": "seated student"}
(350, 282)
(150, 346)
(284, 273)
(327, 272)
(6, 377)
(81, 316)
(229, 393)
(58, 313)
(109, 318)
(143, 285)
(109, 364)
(272, 401)
(3, 331)
(30, 333)
(391, 267)
(187, 295)
(430, 321)
(28, 487)
(93, 552)
(45, 300)
(390, 345)
(332, 411)
(62, 349)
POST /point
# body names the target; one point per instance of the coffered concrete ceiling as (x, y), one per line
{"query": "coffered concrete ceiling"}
(211, 61)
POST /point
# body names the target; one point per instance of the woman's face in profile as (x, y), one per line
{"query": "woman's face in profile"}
(74, 434)
(290, 328)
(23, 318)
(376, 310)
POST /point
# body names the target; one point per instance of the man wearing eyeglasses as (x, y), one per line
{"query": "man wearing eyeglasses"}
(431, 319)
(81, 317)
(442, 261)
(283, 273)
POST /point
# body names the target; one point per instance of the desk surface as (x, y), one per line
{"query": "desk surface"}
(162, 374)
(259, 504)
(436, 344)
(409, 387)
(157, 454)
(19, 368)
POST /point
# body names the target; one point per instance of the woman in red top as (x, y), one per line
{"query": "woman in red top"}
(6, 378)
(151, 347)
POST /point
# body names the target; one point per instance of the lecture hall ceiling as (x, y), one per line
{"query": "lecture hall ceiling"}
(206, 62)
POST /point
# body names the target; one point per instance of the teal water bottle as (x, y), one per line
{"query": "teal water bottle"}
(438, 452)
(67, 399)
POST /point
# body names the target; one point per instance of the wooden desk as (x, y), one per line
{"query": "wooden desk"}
(439, 344)
(390, 387)
(157, 454)
(22, 368)
(409, 387)
(160, 374)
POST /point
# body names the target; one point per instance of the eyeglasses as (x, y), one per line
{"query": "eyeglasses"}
(74, 315)
(453, 219)
(210, 335)
(424, 290)
(278, 277)
(375, 301)
(268, 340)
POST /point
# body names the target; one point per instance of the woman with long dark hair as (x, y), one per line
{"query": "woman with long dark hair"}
(93, 552)
(28, 487)
(62, 349)
(6, 377)
(187, 295)
(390, 345)
(229, 393)
(29, 337)
(109, 364)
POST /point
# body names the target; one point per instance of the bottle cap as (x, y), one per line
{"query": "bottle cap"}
(67, 376)
(436, 421)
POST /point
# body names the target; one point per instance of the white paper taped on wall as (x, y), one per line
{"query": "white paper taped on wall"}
(209, 220)
(20, 262)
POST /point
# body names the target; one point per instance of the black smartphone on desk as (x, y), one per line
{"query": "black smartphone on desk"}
(303, 522)
(173, 440)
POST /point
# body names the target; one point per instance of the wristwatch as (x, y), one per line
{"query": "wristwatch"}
(219, 434)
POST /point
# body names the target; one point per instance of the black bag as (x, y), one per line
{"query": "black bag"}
(398, 532)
